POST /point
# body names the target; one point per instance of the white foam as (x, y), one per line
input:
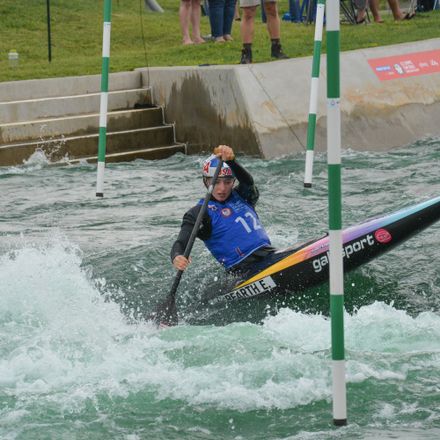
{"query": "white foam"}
(38, 158)
(63, 344)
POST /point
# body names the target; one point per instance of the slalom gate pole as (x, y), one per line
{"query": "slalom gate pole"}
(335, 216)
(104, 97)
(314, 88)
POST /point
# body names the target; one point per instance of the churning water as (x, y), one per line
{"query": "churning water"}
(77, 274)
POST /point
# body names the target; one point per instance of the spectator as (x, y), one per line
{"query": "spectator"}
(374, 6)
(190, 12)
(237, 12)
(221, 16)
(249, 8)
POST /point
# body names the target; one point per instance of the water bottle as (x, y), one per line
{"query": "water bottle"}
(13, 58)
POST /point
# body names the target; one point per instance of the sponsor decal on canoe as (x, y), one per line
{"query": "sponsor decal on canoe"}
(258, 287)
(348, 250)
(382, 236)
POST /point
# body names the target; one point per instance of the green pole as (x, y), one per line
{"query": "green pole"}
(314, 89)
(104, 97)
(335, 216)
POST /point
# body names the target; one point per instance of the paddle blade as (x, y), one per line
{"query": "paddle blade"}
(166, 313)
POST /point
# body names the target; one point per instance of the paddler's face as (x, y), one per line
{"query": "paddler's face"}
(223, 188)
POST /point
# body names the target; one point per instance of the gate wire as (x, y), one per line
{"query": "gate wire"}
(275, 105)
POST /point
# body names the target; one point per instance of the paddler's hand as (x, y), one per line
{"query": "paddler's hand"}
(225, 152)
(180, 262)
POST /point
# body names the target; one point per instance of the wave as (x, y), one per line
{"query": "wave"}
(63, 340)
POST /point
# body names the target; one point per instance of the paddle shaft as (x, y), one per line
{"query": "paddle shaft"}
(194, 232)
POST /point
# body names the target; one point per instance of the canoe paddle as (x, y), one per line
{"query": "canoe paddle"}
(166, 312)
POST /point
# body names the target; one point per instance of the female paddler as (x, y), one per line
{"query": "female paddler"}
(230, 229)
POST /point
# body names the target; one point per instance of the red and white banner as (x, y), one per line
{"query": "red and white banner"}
(403, 66)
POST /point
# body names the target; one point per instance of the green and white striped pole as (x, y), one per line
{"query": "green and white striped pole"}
(314, 89)
(104, 97)
(335, 216)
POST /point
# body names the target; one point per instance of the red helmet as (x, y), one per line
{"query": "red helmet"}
(210, 165)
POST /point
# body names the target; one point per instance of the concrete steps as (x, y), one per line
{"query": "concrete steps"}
(77, 147)
(59, 106)
(127, 156)
(67, 127)
(79, 124)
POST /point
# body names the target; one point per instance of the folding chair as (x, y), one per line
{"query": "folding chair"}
(349, 10)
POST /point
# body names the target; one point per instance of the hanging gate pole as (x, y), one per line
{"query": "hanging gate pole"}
(335, 216)
(314, 89)
(104, 98)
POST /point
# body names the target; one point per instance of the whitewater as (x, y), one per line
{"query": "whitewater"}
(78, 275)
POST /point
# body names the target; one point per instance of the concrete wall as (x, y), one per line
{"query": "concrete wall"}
(208, 105)
(71, 85)
(262, 109)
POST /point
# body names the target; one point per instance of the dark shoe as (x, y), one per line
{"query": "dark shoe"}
(409, 15)
(361, 17)
(246, 56)
(277, 52)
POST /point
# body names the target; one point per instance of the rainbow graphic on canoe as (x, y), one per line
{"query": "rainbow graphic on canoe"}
(307, 265)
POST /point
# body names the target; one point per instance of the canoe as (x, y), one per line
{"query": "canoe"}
(307, 265)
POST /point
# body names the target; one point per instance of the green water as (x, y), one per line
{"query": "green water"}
(77, 274)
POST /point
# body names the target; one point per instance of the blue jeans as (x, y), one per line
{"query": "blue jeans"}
(221, 16)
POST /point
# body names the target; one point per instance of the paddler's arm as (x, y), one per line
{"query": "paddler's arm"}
(246, 188)
(178, 248)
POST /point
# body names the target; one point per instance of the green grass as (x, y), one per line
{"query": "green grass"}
(77, 37)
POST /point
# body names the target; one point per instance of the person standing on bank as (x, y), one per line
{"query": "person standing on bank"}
(189, 11)
(230, 229)
(221, 17)
(249, 8)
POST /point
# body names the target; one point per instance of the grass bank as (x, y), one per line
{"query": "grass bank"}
(77, 37)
